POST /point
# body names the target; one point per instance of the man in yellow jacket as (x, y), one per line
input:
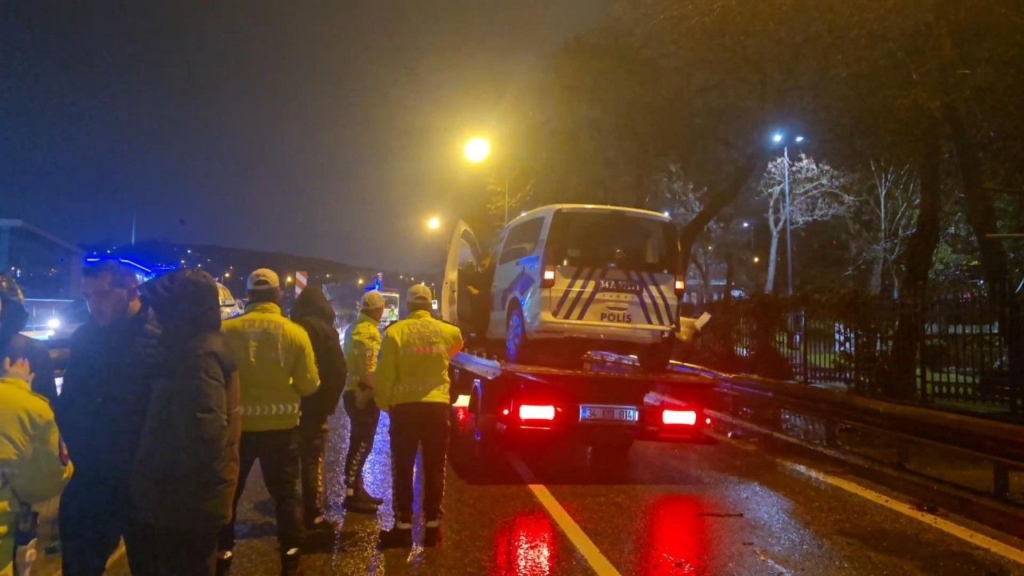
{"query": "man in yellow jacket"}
(362, 345)
(276, 369)
(412, 384)
(34, 465)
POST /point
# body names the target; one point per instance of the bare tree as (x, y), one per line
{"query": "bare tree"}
(713, 251)
(677, 196)
(815, 194)
(882, 220)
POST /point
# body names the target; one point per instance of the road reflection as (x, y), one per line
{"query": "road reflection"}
(675, 540)
(525, 546)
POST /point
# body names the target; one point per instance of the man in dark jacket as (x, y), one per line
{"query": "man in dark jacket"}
(13, 345)
(313, 312)
(100, 412)
(187, 465)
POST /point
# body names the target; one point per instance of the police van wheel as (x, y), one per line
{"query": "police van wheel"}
(515, 337)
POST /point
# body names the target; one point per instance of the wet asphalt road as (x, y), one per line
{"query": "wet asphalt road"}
(721, 507)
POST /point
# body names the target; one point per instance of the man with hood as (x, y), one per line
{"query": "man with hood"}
(14, 345)
(314, 313)
(187, 465)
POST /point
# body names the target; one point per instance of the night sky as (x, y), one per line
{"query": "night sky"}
(327, 129)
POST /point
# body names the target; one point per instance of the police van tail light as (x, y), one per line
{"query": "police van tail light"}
(680, 286)
(548, 277)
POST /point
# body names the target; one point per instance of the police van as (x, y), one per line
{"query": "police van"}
(571, 278)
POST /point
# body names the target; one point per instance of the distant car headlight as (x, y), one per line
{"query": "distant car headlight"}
(53, 323)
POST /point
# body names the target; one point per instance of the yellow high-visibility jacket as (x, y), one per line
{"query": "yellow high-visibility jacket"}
(34, 464)
(276, 366)
(413, 365)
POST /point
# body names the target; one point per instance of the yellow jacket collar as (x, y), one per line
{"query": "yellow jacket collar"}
(264, 307)
(16, 382)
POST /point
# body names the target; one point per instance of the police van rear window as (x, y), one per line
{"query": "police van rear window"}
(614, 240)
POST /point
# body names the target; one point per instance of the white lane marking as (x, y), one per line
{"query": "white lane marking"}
(966, 534)
(779, 569)
(583, 543)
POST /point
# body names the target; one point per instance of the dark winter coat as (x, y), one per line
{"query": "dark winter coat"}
(187, 465)
(103, 401)
(313, 312)
(13, 318)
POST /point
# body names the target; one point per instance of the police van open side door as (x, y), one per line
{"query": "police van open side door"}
(463, 258)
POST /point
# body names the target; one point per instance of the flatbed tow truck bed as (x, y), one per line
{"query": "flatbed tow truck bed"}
(607, 405)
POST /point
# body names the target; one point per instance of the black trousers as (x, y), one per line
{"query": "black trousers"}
(95, 513)
(183, 552)
(415, 425)
(312, 447)
(362, 430)
(278, 454)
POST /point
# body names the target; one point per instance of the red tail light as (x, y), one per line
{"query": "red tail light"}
(679, 417)
(680, 286)
(548, 279)
(536, 412)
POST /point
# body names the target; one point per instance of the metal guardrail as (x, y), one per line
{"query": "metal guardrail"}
(962, 452)
(822, 417)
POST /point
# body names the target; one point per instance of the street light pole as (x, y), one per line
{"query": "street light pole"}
(789, 237)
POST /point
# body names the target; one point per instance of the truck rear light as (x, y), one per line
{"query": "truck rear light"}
(536, 412)
(548, 280)
(674, 417)
(680, 286)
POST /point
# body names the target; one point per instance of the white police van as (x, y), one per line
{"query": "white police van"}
(574, 278)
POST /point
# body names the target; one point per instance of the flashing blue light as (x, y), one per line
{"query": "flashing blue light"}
(145, 273)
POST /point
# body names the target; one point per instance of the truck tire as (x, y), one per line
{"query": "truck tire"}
(486, 444)
(516, 344)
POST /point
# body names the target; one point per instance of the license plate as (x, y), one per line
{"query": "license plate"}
(608, 414)
(624, 287)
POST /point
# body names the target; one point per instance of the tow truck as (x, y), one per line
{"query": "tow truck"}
(607, 404)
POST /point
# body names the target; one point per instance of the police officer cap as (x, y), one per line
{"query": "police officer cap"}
(372, 300)
(420, 294)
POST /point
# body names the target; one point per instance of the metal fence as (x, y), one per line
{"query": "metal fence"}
(846, 342)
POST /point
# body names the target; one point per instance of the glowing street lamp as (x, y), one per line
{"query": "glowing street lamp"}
(434, 223)
(477, 150)
(778, 138)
